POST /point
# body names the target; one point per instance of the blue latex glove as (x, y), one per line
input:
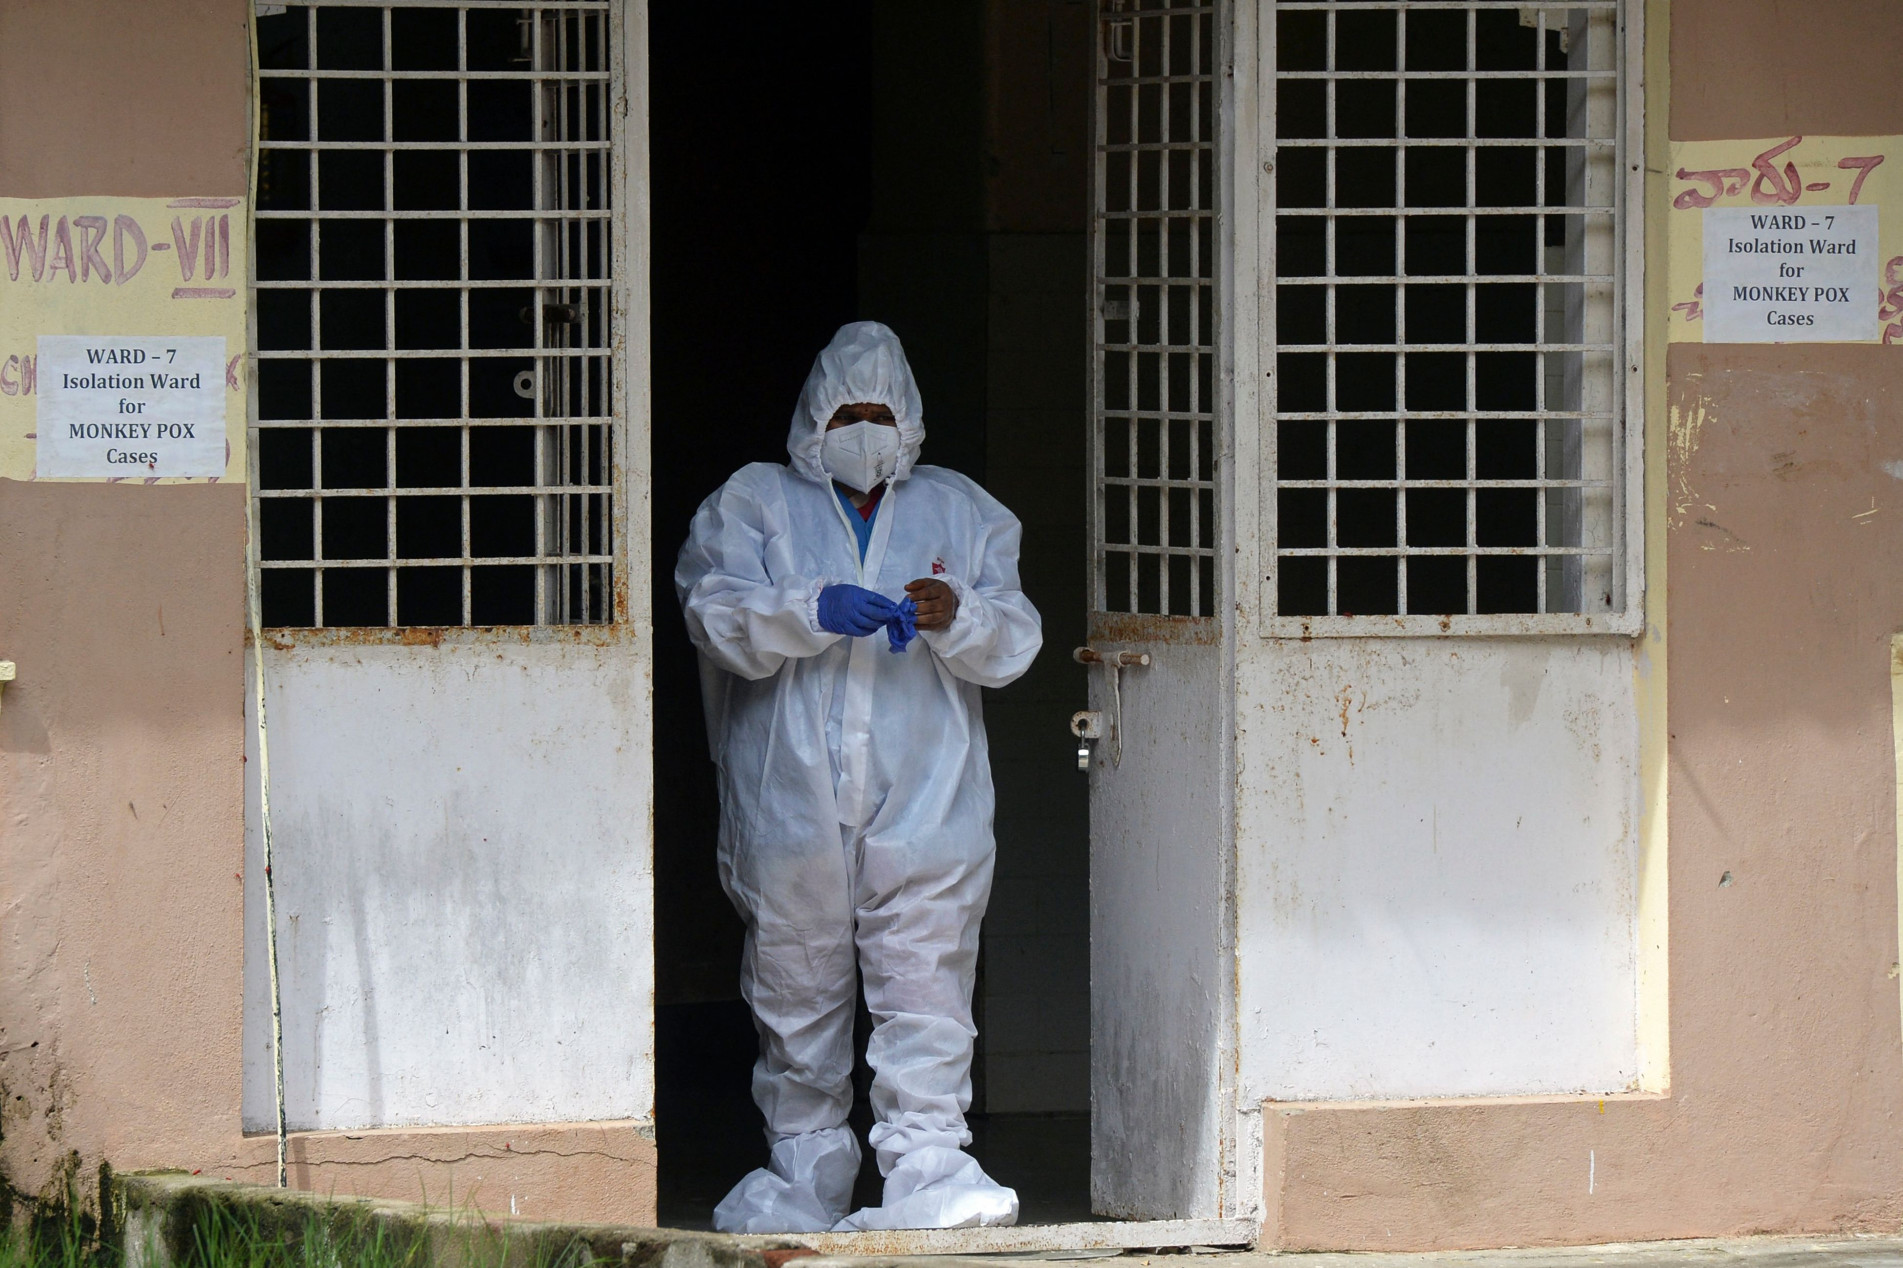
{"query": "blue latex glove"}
(853, 610)
(902, 628)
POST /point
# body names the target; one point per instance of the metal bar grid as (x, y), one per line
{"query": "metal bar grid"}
(383, 214)
(1428, 143)
(1461, 76)
(1153, 336)
(1427, 415)
(515, 476)
(1512, 6)
(442, 147)
(422, 354)
(424, 561)
(546, 6)
(1443, 211)
(1467, 346)
(451, 76)
(1375, 500)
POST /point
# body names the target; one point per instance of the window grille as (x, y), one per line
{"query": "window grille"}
(432, 304)
(1153, 313)
(1449, 441)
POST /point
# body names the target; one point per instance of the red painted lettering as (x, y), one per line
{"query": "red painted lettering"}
(1890, 298)
(61, 256)
(1863, 167)
(1723, 181)
(1693, 308)
(124, 227)
(92, 233)
(187, 247)
(17, 376)
(24, 244)
(1785, 187)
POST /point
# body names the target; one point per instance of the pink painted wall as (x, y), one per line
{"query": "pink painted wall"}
(122, 741)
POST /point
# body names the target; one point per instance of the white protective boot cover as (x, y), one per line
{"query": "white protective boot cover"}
(937, 1187)
(804, 1188)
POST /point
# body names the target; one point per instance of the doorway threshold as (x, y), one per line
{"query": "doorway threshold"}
(1088, 1235)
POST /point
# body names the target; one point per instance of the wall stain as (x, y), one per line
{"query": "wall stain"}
(1732, 543)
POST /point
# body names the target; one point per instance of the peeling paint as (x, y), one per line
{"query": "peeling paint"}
(1683, 426)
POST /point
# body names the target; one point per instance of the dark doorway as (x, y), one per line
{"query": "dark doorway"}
(924, 166)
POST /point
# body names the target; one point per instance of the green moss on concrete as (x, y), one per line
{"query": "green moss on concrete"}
(61, 1226)
(172, 1220)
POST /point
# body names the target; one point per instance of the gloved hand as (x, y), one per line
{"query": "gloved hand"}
(902, 628)
(853, 610)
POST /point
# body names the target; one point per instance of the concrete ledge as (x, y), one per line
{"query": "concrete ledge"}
(156, 1214)
(1459, 1175)
(573, 1173)
(154, 1217)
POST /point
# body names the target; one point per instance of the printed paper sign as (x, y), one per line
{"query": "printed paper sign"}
(131, 405)
(1790, 274)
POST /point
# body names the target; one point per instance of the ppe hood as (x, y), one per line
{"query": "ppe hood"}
(864, 362)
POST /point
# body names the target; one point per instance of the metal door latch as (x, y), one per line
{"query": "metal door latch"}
(1114, 663)
(1086, 725)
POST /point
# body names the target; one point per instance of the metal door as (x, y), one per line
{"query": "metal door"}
(1160, 994)
(452, 211)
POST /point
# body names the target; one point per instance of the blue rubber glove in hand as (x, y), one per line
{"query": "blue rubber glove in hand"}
(902, 628)
(853, 610)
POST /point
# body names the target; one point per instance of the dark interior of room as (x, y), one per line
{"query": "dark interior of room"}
(813, 164)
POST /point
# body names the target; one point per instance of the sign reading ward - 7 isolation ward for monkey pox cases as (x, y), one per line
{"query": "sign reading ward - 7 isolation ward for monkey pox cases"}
(131, 405)
(1790, 274)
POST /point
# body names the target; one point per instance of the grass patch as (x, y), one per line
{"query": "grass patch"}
(203, 1231)
(65, 1238)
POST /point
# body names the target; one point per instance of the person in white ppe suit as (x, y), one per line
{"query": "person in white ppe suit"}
(855, 785)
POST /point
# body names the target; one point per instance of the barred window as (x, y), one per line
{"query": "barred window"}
(434, 440)
(1449, 449)
(1152, 436)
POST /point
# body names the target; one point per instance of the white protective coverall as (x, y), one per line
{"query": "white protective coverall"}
(856, 803)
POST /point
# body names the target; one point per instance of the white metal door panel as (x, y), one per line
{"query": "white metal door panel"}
(1439, 878)
(463, 886)
(1158, 985)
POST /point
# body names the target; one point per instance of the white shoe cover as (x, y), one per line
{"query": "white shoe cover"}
(804, 1188)
(937, 1187)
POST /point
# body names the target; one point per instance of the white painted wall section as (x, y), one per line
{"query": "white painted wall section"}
(463, 885)
(1437, 868)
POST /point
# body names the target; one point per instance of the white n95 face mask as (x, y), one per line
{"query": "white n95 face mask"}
(861, 456)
